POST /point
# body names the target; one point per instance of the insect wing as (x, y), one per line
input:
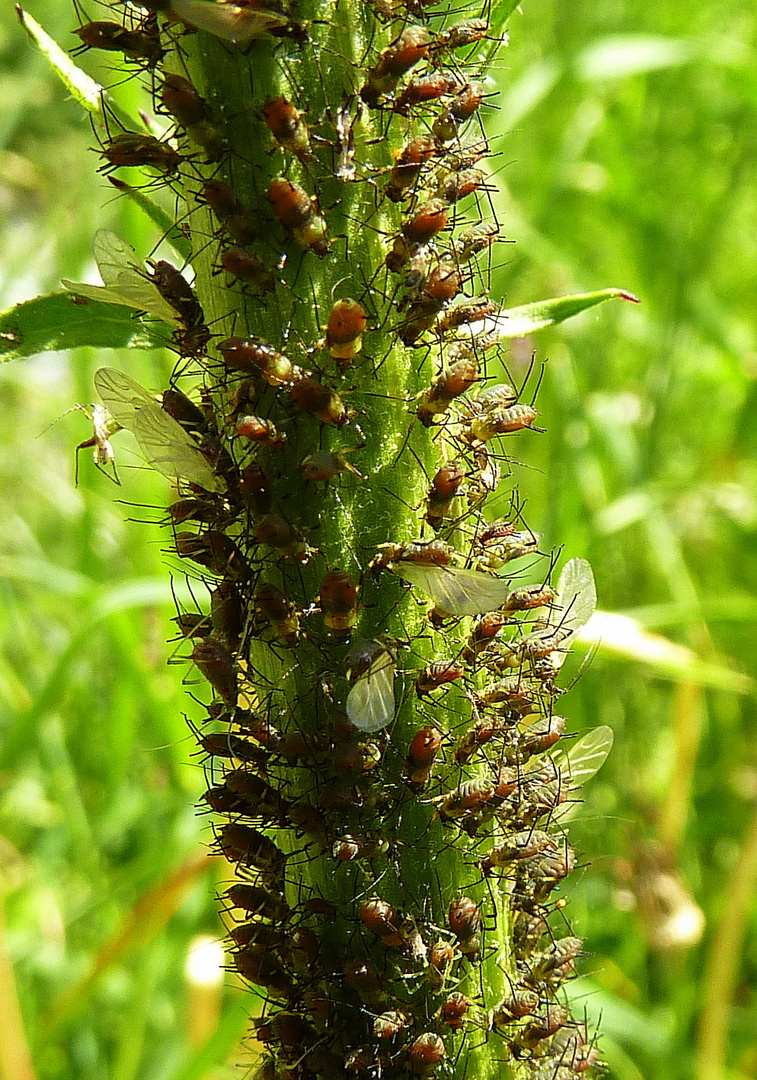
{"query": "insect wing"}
(124, 280)
(577, 595)
(370, 702)
(231, 22)
(583, 761)
(454, 590)
(164, 442)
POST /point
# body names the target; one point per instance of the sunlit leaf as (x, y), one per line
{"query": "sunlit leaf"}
(526, 319)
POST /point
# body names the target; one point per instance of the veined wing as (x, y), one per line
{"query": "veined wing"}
(167, 447)
(576, 595)
(454, 590)
(583, 761)
(370, 702)
(125, 281)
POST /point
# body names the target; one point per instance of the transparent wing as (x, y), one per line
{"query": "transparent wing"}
(125, 280)
(576, 595)
(370, 702)
(583, 761)
(164, 442)
(456, 591)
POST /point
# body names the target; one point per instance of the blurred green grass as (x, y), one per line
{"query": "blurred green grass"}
(628, 140)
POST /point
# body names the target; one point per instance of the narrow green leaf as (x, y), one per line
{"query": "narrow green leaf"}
(63, 321)
(518, 321)
(85, 90)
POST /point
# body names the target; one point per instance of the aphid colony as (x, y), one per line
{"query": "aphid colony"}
(382, 685)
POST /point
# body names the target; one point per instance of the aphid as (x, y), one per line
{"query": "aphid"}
(281, 613)
(426, 1052)
(185, 411)
(255, 486)
(180, 99)
(135, 149)
(382, 920)
(125, 280)
(528, 597)
(542, 1026)
(502, 545)
(286, 1028)
(216, 664)
(426, 222)
(260, 431)
(395, 61)
(428, 553)
(345, 329)
(224, 745)
(440, 961)
(520, 1003)
(176, 290)
(444, 488)
(472, 242)
(420, 91)
(259, 966)
(363, 978)
(370, 668)
(462, 34)
(463, 105)
(453, 1009)
(474, 310)
(349, 848)
(522, 845)
(408, 164)
(423, 751)
(484, 479)
(255, 900)
(248, 268)
(298, 213)
(465, 922)
(319, 400)
(453, 382)
(141, 44)
(255, 357)
(324, 465)
(482, 732)
(454, 590)
(226, 611)
(167, 447)
(288, 127)
(389, 1024)
(438, 674)
(230, 211)
(466, 800)
(339, 603)
(103, 453)
(457, 185)
(241, 843)
(560, 957)
(501, 422)
(258, 935)
(213, 550)
(275, 531)
(239, 23)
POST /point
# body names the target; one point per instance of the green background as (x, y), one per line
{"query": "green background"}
(626, 139)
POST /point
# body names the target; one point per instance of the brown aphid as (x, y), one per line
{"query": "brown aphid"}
(256, 900)
(339, 602)
(426, 222)
(453, 1010)
(484, 632)
(324, 465)
(381, 919)
(436, 675)
(185, 411)
(213, 550)
(275, 531)
(345, 329)
(441, 495)
(260, 431)
(506, 544)
(560, 957)
(248, 268)
(520, 1003)
(216, 664)
(465, 922)
(457, 185)
(222, 744)
(252, 356)
(521, 845)
(288, 128)
(258, 935)
(141, 44)
(480, 734)
(453, 382)
(408, 164)
(264, 969)
(281, 613)
(364, 980)
(422, 753)
(462, 34)
(298, 213)
(319, 400)
(350, 848)
(288, 1029)
(230, 211)
(420, 91)
(255, 485)
(226, 611)
(469, 311)
(461, 108)
(440, 961)
(542, 1026)
(241, 843)
(431, 553)
(180, 99)
(475, 240)
(426, 1052)
(395, 61)
(132, 149)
